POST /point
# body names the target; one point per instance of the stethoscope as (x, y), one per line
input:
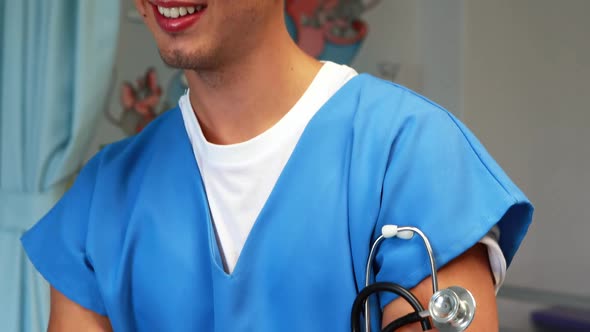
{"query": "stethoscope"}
(451, 309)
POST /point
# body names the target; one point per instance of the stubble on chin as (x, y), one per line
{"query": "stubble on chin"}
(189, 61)
(209, 69)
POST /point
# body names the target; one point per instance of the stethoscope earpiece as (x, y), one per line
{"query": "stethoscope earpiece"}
(389, 231)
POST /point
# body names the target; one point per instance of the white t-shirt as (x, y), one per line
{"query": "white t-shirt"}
(239, 178)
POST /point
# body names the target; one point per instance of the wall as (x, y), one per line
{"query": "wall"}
(440, 38)
(526, 71)
(426, 38)
(391, 38)
(527, 65)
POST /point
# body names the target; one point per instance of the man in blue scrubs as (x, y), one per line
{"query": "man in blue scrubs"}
(252, 206)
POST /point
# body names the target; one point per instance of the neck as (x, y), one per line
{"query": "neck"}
(243, 99)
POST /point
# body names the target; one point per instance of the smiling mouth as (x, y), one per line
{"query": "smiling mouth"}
(176, 12)
(176, 16)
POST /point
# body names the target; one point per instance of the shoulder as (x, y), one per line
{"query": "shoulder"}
(388, 112)
(166, 129)
(418, 129)
(388, 99)
(124, 164)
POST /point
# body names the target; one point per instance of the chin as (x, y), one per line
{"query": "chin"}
(193, 58)
(175, 51)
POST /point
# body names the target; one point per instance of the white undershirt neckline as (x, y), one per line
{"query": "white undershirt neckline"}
(328, 81)
(239, 178)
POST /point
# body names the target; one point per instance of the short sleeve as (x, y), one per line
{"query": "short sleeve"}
(56, 245)
(440, 179)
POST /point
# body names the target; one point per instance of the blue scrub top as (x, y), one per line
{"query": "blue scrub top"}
(133, 238)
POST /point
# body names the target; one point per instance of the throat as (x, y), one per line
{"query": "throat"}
(240, 102)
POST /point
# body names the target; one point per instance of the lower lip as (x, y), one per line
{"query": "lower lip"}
(179, 24)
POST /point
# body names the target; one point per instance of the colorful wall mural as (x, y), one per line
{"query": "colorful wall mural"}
(328, 29)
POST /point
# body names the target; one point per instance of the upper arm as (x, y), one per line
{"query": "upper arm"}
(441, 180)
(438, 178)
(66, 316)
(470, 270)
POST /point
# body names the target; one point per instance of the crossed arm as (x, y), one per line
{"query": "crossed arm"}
(470, 270)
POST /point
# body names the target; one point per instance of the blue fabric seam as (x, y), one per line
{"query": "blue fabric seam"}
(393, 136)
(90, 208)
(480, 159)
(91, 201)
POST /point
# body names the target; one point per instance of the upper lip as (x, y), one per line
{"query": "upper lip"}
(175, 3)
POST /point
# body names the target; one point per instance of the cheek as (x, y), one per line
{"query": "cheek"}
(238, 15)
(238, 24)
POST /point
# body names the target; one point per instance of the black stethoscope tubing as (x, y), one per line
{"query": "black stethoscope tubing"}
(359, 301)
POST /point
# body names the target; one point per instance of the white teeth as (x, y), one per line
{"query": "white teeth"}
(176, 12)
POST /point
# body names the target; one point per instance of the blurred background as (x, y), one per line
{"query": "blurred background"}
(76, 75)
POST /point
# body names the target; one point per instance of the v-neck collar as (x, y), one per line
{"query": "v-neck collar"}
(285, 180)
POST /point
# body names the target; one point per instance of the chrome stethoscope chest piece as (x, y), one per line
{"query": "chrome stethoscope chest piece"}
(452, 309)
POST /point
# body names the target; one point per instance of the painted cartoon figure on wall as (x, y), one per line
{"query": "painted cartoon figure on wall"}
(326, 29)
(140, 103)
